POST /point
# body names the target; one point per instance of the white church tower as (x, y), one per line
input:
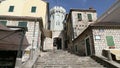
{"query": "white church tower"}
(57, 15)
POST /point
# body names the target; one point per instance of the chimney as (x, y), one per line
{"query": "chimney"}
(91, 8)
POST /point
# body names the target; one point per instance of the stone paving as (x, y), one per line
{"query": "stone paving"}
(63, 59)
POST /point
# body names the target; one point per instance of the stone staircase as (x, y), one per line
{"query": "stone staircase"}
(63, 59)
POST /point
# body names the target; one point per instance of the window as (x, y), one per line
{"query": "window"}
(58, 23)
(85, 25)
(75, 34)
(3, 23)
(101, 30)
(33, 9)
(79, 16)
(53, 16)
(97, 37)
(76, 25)
(11, 8)
(110, 41)
(22, 24)
(75, 28)
(90, 17)
(76, 48)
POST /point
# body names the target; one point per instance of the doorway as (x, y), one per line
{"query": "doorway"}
(88, 47)
(57, 43)
(65, 45)
(7, 59)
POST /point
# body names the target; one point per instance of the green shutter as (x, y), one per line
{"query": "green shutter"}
(22, 24)
(3, 22)
(11, 8)
(79, 16)
(89, 17)
(33, 9)
(110, 41)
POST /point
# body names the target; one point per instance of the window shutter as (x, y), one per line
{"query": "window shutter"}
(11, 8)
(22, 24)
(3, 23)
(110, 41)
(33, 9)
(89, 17)
(79, 16)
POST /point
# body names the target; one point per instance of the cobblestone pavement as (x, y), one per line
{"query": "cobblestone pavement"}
(63, 59)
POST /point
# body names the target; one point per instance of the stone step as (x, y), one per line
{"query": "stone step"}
(94, 64)
(68, 66)
(63, 59)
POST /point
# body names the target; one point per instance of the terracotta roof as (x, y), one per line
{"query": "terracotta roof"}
(105, 24)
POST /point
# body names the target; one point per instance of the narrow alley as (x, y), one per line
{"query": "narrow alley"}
(63, 59)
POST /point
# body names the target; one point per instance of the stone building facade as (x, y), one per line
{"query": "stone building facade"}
(57, 15)
(81, 18)
(104, 34)
(25, 13)
(98, 36)
(77, 21)
(26, 8)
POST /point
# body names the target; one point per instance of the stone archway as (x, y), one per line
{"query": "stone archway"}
(57, 43)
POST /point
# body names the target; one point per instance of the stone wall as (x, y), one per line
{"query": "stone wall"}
(101, 43)
(97, 38)
(80, 25)
(33, 34)
(80, 45)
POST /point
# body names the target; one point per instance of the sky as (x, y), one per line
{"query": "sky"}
(100, 5)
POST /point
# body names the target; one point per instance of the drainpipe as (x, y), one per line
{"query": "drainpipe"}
(19, 54)
(33, 40)
(20, 46)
